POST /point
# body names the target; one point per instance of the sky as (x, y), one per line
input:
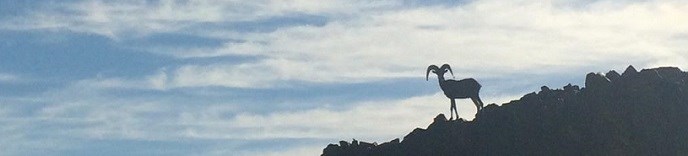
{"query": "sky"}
(288, 77)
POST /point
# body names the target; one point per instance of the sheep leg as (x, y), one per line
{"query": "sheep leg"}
(477, 105)
(451, 110)
(480, 101)
(456, 112)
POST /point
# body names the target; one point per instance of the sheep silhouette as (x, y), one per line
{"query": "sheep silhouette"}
(462, 89)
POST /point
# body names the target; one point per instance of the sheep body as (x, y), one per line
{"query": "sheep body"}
(461, 89)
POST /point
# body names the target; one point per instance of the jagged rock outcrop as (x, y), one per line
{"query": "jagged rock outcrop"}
(596, 81)
(634, 113)
(612, 75)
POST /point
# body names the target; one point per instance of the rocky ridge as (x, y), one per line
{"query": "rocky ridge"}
(633, 113)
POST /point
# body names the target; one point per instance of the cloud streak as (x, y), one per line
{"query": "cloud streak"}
(507, 45)
(132, 18)
(86, 112)
(499, 38)
(8, 77)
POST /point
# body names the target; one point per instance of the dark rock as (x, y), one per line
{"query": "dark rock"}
(612, 76)
(630, 71)
(672, 74)
(332, 148)
(343, 144)
(571, 88)
(440, 118)
(491, 106)
(596, 81)
(415, 134)
(367, 145)
(544, 90)
(395, 141)
(639, 113)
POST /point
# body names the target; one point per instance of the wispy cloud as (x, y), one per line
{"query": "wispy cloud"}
(501, 43)
(132, 18)
(88, 110)
(4, 77)
(499, 38)
(399, 117)
(97, 115)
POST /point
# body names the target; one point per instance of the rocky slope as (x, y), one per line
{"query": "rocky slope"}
(634, 113)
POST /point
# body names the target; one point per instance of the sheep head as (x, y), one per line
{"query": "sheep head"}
(439, 71)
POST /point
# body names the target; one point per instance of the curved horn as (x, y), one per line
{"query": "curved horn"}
(446, 66)
(431, 67)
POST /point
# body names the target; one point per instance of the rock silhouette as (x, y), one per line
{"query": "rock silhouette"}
(634, 113)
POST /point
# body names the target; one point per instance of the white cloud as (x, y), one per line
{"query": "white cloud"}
(97, 115)
(362, 41)
(93, 114)
(482, 39)
(16, 140)
(367, 41)
(133, 17)
(298, 151)
(87, 111)
(371, 121)
(157, 81)
(5, 77)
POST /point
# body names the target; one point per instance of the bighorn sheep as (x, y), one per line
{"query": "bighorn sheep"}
(465, 88)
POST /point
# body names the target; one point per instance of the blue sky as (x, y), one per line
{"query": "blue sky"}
(272, 77)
